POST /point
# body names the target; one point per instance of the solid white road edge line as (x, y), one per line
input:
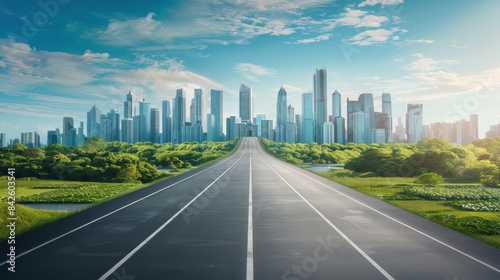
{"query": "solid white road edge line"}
(250, 272)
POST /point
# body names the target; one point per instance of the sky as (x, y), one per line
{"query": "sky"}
(59, 57)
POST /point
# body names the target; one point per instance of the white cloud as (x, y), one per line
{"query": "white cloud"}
(426, 64)
(133, 27)
(373, 37)
(382, 2)
(316, 39)
(253, 72)
(358, 18)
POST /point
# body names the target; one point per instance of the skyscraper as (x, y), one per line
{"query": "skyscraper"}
(128, 130)
(67, 126)
(387, 109)
(414, 123)
(368, 108)
(53, 137)
(358, 127)
(3, 140)
(336, 104)
(246, 110)
(32, 139)
(128, 105)
(231, 127)
(155, 125)
(179, 116)
(365, 106)
(320, 102)
(217, 110)
(166, 121)
(290, 114)
(307, 118)
(93, 122)
(281, 115)
(339, 127)
(267, 129)
(258, 122)
(144, 120)
(114, 133)
(199, 108)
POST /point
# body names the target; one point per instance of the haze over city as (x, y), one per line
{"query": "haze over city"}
(60, 59)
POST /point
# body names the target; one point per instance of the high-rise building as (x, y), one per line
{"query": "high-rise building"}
(328, 133)
(128, 105)
(114, 133)
(358, 127)
(166, 121)
(474, 127)
(68, 124)
(3, 140)
(210, 127)
(414, 123)
(307, 118)
(246, 110)
(267, 129)
(364, 104)
(155, 125)
(298, 123)
(53, 137)
(400, 133)
(336, 104)
(128, 130)
(281, 115)
(231, 127)
(387, 109)
(258, 122)
(81, 136)
(32, 139)
(199, 108)
(320, 102)
(290, 116)
(144, 120)
(291, 132)
(339, 127)
(191, 111)
(93, 122)
(179, 116)
(217, 110)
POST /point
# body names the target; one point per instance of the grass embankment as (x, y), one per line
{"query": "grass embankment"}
(30, 190)
(444, 204)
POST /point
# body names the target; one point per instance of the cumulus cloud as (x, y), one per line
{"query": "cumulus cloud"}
(253, 72)
(358, 18)
(316, 39)
(381, 2)
(373, 37)
(426, 64)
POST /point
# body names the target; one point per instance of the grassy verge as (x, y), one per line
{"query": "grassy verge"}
(481, 225)
(51, 191)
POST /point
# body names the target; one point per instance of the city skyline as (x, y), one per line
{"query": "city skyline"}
(421, 52)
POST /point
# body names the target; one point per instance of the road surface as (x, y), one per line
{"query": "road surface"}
(248, 216)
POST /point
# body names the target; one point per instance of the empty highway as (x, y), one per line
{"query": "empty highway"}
(248, 216)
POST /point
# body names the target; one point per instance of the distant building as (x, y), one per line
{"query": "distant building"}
(414, 125)
(246, 102)
(30, 139)
(217, 110)
(281, 115)
(3, 140)
(307, 118)
(320, 102)
(166, 121)
(258, 122)
(127, 130)
(179, 116)
(68, 125)
(155, 125)
(53, 137)
(267, 129)
(328, 133)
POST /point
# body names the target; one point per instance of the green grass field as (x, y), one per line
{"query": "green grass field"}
(484, 226)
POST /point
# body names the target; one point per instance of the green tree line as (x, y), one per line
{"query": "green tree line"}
(100, 161)
(479, 160)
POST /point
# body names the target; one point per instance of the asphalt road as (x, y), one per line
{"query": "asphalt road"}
(248, 216)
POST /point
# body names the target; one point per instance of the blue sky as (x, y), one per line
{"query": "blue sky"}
(57, 60)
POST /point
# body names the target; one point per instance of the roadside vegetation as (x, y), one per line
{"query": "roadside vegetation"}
(456, 186)
(92, 173)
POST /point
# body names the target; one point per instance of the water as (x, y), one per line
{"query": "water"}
(57, 206)
(322, 167)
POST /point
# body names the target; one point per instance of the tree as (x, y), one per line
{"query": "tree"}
(429, 179)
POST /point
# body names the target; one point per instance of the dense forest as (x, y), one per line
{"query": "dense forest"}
(99, 161)
(479, 160)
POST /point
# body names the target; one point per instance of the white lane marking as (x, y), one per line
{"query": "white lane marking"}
(391, 218)
(250, 225)
(119, 209)
(360, 251)
(129, 255)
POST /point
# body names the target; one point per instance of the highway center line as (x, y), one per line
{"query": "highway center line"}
(393, 219)
(368, 258)
(250, 271)
(129, 255)
(119, 209)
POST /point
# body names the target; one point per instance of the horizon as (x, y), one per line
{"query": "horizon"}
(58, 60)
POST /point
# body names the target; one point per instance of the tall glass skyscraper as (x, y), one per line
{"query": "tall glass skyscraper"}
(281, 115)
(336, 104)
(114, 133)
(68, 125)
(320, 102)
(307, 118)
(179, 116)
(216, 102)
(144, 120)
(155, 125)
(166, 121)
(128, 105)
(246, 110)
(199, 109)
(387, 109)
(414, 123)
(93, 122)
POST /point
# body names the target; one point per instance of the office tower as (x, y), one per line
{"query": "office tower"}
(105, 128)
(114, 131)
(210, 127)
(217, 110)
(199, 108)
(426, 132)
(387, 109)
(3, 140)
(336, 104)
(231, 127)
(127, 131)
(81, 136)
(166, 115)
(178, 116)
(400, 133)
(67, 126)
(307, 118)
(191, 111)
(414, 123)
(267, 129)
(32, 139)
(144, 121)
(339, 127)
(364, 105)
(128, 105)
(281, 115)
(320, 102)
(298, 123)
(136, 131)
(93, 122)
(494, 131)
(155, 125)
(246, 100)
(258, 122)
(53, 137)
(474, 127)
(290, 115)
(368, 108)
(290, 132)
(328, 133)
(358, 127)
(381, 120)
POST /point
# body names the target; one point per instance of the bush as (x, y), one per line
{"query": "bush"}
(429, 179)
